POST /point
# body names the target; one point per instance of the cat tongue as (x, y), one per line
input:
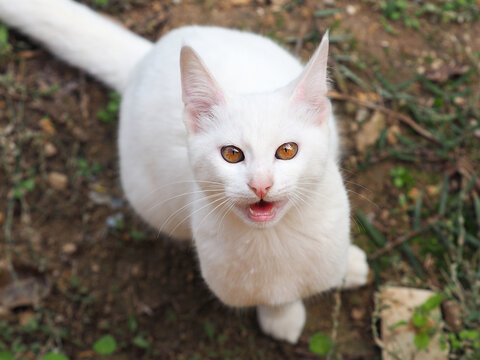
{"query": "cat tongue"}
(261, 211)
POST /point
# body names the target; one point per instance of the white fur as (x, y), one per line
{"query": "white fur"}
(283, 322)
(357, 271)
(238, 89)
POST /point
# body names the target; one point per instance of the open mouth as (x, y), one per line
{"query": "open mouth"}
(262, 211)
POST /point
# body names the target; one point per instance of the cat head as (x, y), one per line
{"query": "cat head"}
(258, 155)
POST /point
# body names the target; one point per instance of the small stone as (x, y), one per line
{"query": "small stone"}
(351, 9)
(385, 214)
(361, 115)
(136, 271)
(95, 268)
(57, 180)
(260, 11)
(49, 149)
(477, 133)
(69, 248)
(357, 313)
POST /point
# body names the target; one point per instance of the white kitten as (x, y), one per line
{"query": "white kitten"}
(242, 159)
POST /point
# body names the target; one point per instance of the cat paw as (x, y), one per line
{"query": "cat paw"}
(282, 322)
(357, 271)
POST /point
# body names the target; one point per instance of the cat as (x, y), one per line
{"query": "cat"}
(225, 139)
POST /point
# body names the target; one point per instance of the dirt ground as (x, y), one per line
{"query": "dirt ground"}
(107, 273)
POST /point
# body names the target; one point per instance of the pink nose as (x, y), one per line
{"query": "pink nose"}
(260, 188)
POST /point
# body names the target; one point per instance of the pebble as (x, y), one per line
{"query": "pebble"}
(351, 10)
(361, 115)
(50, 149)
(477, 133)
(357, 313)
(95, 268)
(385, 214)
(58, 181)
(69, 248)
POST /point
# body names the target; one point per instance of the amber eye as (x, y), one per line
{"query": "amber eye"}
(232, 154)
(286, 151)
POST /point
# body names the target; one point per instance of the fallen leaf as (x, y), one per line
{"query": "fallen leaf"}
(47, 126)
(24, 292)
(445, 72)
(370, 131)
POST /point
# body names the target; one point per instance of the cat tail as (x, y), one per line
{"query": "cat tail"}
(79, 36)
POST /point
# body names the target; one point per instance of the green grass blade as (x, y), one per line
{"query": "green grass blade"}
(417, 212)
(416, 266)
(326, 12)
(443, 196)
(352, 76)
(371, 231)
(476, 204)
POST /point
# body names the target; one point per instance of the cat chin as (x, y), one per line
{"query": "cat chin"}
(271, 214)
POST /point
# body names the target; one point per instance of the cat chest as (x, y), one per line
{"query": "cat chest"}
(266, 268)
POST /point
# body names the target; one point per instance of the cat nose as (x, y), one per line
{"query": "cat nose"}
(260, 188)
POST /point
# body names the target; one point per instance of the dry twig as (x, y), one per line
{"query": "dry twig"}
(402, 117)
(403, 238)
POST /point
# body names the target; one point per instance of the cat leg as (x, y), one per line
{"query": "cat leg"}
(282, 322)
(357, 270)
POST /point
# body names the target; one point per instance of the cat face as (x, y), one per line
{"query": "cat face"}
(257, 155)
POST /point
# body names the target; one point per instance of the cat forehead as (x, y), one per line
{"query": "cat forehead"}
(260, 113)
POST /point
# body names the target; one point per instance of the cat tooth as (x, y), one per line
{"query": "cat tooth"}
(251, 211)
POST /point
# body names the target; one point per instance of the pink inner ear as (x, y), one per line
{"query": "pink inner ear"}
(312, 87)
(200, 90)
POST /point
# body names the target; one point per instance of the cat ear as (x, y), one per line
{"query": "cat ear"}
(200, 91)
(312, 85)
